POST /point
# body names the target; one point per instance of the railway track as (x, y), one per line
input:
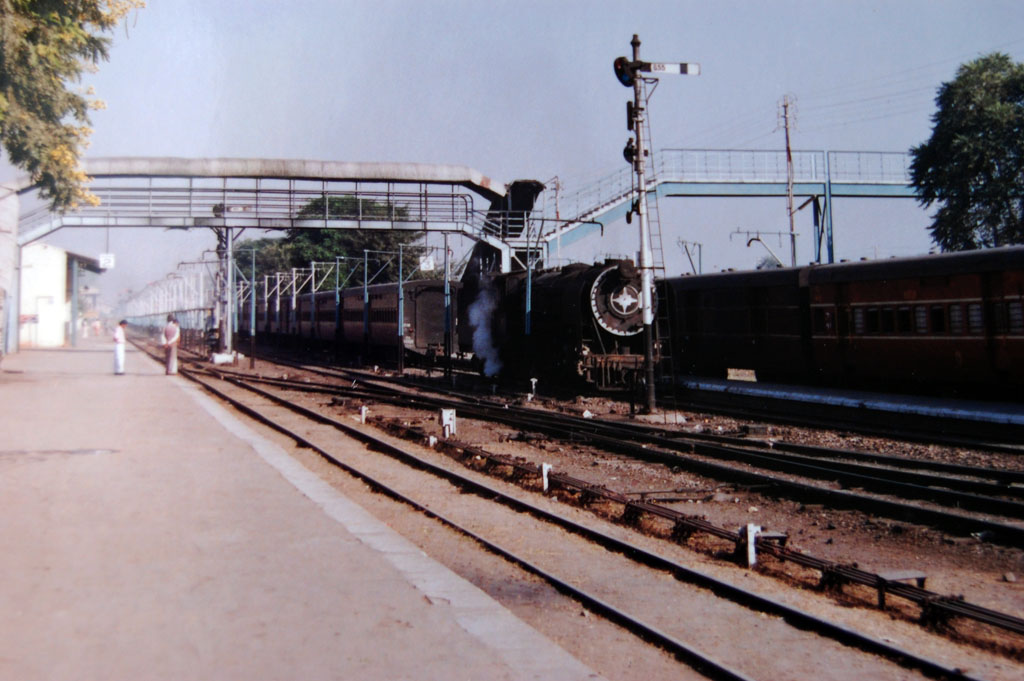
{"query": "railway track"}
(639, 618)
(885, 486)
(938, 607)
(935, 608)
(803, 408)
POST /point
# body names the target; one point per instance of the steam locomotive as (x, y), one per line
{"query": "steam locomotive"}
(581, 323)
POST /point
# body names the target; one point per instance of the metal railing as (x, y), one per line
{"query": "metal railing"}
(121, 203)
(690, 165)
(740, 167)
(869, 167)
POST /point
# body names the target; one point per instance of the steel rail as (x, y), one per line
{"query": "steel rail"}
(699, 661)
(720, 588)
(934, 606)
(618, 440)
(998, 476)
(1006, 478)
(961, 493)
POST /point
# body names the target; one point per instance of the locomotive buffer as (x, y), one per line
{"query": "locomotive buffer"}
(636, 154)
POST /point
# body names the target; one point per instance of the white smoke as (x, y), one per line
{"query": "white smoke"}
(480, 312)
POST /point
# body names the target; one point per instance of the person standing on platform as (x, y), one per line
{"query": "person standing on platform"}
(172, 336)
(119, 343)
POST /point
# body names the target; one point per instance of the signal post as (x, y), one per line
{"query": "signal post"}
(627, 72)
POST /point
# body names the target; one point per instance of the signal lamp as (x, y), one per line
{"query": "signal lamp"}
(624, 71)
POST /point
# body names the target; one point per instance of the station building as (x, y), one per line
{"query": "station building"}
(58, 301)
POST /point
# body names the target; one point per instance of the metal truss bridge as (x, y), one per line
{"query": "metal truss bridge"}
(819, 175)
(288, 194)
(281, 194)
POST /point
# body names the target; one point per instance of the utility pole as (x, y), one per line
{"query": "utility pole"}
(787, 117)
(628, 73)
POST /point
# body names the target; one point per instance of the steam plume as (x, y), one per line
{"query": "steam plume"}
(480, 312)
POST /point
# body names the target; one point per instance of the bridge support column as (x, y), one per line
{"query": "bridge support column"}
(828, 207)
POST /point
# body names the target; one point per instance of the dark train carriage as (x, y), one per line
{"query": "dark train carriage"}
(281, 320)
(326, 315)
(947, 321)
(314, 315)
(423, 311)
(373, 320)
(424, 320)
(738, 320)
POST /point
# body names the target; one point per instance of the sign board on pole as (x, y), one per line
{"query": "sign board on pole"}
(106, 261)
(684, 68)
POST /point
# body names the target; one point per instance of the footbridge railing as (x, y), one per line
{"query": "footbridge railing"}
(755, 173)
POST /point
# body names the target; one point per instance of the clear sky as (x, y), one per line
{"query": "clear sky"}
(525, 89)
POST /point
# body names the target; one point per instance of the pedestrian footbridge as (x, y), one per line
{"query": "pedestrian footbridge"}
(186, 193)
(819, 175)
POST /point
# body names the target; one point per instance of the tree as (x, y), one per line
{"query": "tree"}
(301, 246)
(973, 164)
(44, 46)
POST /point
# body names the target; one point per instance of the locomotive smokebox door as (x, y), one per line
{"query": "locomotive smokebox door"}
(615, 302)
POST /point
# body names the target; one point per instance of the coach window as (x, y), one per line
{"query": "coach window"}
(904, 320)
(998, 315)
(956, 318)
(824, 321)
(921, 319)
(975, 319)
(1015, 312)
(872, 320)
(938, 319)
(858, 320)
(888, 317)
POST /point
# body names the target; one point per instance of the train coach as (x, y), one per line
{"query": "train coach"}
(948, 323)
(361, 322)
(369, 319)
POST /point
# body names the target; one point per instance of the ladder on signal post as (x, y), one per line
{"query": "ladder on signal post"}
(662, 329)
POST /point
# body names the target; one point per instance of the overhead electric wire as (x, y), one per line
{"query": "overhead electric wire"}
(859, 103)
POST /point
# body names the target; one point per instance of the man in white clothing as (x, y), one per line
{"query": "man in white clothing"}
(119, 346)
(172, 336)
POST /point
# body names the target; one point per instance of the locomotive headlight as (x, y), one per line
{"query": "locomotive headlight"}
(626, 301)
(615, 303)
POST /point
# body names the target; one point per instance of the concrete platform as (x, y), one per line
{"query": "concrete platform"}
(149, 534)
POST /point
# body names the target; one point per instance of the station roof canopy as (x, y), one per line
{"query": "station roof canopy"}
(295, 169)
(85, 262)
(173, 192)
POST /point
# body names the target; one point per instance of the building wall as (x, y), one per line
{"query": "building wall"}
(9, 207)
(45, 309)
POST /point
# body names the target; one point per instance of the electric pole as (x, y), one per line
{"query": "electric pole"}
(787, 116)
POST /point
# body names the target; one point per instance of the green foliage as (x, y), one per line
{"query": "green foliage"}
(44, 46)
(973, 164)
(302, 246)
